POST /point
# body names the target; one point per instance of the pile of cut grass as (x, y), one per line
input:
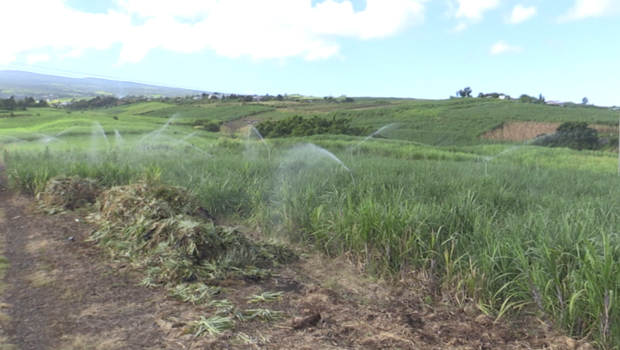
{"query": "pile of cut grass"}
(69, 192)
(164, 230)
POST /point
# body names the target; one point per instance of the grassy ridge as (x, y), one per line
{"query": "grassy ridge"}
(462, 121)
(455, 122)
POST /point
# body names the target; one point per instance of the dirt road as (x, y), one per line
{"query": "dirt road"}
(59, 294)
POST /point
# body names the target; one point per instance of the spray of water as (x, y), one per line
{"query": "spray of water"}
(488, 159)
(118, 138)
(310, 152)
(98, 130)
(155, 134)
(147, 136)
(377, 132)
(10, 139)
(254, 133)
(47, 138)
(177, 141)
(188, 136)
(164, 127)
(64, 131)
(322, 151)
(528, 142)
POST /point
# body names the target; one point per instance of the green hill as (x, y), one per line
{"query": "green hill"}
(453, 122)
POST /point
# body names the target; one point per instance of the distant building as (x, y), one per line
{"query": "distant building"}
(501, 96)
(555, 103)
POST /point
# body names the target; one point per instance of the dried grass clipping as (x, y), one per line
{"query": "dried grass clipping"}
(70, 192)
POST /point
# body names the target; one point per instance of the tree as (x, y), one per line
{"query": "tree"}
(466, 92)
(8, 104)
(584, 100)
(527, 99)
(575, 135)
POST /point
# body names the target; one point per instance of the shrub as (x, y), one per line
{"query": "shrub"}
(575, 135)
(298, 126)
(208, 125)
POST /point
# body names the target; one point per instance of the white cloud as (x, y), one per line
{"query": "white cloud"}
(591, 8)
(233, 28)
(7, 57)
(473, 9)
(268, 29)
(470, 11)
(53, 25)
(72, 54)
(460, 27)
(502, 47)
(322, 53)
(521, 13)
(37, 58)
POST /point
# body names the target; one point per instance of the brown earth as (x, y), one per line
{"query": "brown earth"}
(66, 294)
(524, 131)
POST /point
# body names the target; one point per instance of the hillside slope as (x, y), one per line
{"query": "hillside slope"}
(21, 84)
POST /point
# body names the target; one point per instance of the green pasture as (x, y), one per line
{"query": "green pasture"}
(511, 228)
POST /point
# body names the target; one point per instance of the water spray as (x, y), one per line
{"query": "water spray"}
(376, 132)
(97, 128)
(255, 131)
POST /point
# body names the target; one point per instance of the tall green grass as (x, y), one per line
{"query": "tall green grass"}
(543, 241)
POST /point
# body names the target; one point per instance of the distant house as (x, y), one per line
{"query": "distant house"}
(555, 103)
(501, 96)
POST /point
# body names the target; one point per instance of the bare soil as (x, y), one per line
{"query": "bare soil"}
(525, 131)
(62, 292)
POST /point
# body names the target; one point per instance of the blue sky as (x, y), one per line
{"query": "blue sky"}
(565, 50)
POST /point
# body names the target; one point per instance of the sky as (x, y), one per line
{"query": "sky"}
(562, 49)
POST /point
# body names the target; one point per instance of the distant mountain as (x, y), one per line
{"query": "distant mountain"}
(21, 84)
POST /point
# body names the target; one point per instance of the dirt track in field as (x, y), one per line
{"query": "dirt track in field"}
(66, 294)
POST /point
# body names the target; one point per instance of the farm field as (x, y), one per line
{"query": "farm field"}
(498, 226)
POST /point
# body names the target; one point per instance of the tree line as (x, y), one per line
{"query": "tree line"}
(11, 104)
(97, 102)
(299, 126)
